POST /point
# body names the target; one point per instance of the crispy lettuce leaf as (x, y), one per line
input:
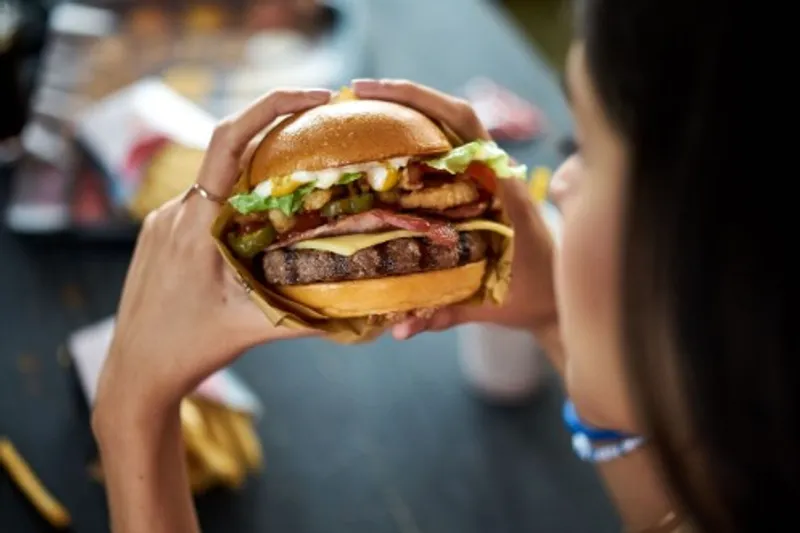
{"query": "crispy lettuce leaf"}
(289, 204)
(458, 159)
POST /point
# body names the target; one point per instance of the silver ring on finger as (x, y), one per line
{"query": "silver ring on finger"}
(205, 193)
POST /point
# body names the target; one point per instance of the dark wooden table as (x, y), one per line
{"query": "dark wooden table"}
(377, 438)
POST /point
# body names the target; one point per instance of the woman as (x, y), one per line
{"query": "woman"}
(663, 310)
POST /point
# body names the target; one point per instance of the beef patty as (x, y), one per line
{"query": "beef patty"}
(402, 256)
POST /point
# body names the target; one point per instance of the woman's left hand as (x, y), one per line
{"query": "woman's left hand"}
(183, 314)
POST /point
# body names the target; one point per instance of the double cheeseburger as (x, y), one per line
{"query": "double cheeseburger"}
(364, 208)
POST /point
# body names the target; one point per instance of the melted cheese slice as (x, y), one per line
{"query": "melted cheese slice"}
(350, 244)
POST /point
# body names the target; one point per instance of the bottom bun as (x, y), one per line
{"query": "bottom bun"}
(396, 294)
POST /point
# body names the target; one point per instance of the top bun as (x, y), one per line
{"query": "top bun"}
(345, 133)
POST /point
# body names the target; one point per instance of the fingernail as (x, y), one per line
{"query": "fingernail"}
(400, 333)
(407, 329)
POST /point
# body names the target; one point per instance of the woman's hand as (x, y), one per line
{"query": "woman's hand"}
(531, 297)
(183, 315)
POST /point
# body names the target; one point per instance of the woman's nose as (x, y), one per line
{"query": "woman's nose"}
(563, 181)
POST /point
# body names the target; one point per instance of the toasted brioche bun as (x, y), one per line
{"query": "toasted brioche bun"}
(396, 294)
(345, 133)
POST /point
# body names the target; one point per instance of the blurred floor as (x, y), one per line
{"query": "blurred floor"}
(547, 23)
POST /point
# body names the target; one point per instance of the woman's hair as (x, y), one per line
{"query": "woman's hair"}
(711, 353)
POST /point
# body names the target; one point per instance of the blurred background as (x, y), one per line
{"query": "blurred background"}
(60, 60)
(105, 106)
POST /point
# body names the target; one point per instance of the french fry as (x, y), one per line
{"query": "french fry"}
(219, 432)
(21, 473)
(220, 445)
(241, 426)
(200, 478)
(198, 441)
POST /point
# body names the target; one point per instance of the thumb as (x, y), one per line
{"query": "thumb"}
(516, 201)
(533, 240)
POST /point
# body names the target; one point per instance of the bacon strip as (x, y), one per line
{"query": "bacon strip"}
(373, 221)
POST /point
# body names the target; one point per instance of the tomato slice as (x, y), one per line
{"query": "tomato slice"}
(483, 175)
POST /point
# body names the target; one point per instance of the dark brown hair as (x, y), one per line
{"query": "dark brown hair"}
(710, 349)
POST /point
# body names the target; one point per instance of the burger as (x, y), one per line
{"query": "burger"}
(365, 208)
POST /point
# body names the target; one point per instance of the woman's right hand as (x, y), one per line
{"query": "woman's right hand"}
(531, 302)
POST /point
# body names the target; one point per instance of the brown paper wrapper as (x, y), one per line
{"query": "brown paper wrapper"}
(281, 311)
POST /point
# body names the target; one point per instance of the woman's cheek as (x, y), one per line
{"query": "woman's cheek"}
(586, 284)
